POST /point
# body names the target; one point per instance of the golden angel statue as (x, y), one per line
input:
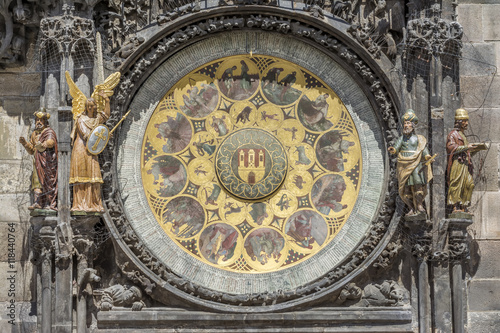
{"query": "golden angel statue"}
(88, 113)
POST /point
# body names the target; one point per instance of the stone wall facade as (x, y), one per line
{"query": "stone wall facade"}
(21, 94)
(481, 29)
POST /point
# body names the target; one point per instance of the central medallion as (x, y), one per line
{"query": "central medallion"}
(251, 164)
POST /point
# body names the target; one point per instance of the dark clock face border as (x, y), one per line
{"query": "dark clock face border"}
(372, 141)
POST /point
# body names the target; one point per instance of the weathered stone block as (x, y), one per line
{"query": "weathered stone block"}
(25, 320)
(15, 207)
(20, 84)
(11, 128)
(14, 281)
(20, 105)
(491, 24)
(15, 176)
(483, 295)
(490, 222)
(486, 171)
(489, 267)
(480, 91)
(13, 239)
(497, 51)
(485, 123)
(483, 322)
(480, 2)
(471, 18)
(478, 59)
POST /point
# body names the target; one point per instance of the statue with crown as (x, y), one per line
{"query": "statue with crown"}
(413, 167)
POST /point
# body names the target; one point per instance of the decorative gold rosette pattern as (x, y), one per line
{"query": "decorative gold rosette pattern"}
(251, 164)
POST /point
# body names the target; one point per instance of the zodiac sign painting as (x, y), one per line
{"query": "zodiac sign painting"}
(251, 164)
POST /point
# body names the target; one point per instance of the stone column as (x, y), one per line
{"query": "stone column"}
(441, 302)
(458, 247)
(64, 237)
(43, 248)
(83, 227)
(420, 231)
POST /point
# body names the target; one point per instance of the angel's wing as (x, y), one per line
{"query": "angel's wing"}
(79, 98)
(107, 87)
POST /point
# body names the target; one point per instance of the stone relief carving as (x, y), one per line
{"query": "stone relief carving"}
(66, 31)
(432, 33)
(84, 281)
(374, 25)
(350, 292)
(138, 278)
(388, 293)
(390, 252)
(421, 238)
(119, 22)
(123, 296)
(17, 20)
(174, 9)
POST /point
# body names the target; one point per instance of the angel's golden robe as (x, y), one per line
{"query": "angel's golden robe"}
(85, 172)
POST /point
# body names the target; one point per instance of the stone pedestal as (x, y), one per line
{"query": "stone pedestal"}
(458, 247)
(43, 249)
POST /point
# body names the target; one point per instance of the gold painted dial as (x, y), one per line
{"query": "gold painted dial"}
(251, 164)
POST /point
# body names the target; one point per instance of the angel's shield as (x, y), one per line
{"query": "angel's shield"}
(98, 139)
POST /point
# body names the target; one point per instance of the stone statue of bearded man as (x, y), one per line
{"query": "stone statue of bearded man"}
(413, 172)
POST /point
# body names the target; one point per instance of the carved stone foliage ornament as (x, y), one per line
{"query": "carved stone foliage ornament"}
(428, 31)
(227, 96)
(67, 31)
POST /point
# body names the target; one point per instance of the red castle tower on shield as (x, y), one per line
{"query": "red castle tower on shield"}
(251, 164)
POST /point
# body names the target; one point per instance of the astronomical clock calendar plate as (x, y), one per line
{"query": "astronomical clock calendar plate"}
(251, 164)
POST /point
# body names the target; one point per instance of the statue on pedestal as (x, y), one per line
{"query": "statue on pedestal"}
(43, 146)
(85, 173)
(413, 172)
(460, 169)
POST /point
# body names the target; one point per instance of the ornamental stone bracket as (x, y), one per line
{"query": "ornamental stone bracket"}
(458, 242)
(421, 238)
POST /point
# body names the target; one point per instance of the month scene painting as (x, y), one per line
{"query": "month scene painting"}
(251, 164)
